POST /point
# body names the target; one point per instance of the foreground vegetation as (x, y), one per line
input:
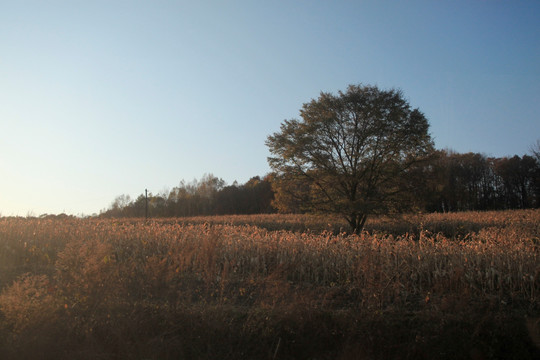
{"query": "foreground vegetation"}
(453, 286)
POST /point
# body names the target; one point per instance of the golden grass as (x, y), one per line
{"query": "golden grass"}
(107, 285)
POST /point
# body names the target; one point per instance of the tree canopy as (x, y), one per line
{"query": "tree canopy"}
(349, 153)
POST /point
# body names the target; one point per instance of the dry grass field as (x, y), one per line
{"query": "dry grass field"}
(436, 286)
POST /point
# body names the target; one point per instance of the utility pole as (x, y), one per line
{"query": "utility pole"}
(146, 204)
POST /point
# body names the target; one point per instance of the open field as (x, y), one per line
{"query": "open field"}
(445, 286)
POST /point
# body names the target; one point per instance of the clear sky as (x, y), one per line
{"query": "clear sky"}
(102, 98)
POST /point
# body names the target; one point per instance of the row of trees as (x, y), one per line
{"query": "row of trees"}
(207, 196)
(359, 153)
(450, 181)
(474, 181)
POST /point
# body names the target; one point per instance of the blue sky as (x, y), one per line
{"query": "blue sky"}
(102, 98)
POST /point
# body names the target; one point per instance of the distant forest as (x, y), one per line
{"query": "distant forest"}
(450, 182)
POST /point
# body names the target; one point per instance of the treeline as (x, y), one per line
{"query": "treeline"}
(450, 182)
(472, 181)
(208, 196)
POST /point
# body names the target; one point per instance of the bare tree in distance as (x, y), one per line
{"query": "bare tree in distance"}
(535, 150)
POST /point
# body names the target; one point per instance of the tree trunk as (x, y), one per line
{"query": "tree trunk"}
(357, 222)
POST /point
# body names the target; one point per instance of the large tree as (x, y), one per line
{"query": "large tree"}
(350, 154)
